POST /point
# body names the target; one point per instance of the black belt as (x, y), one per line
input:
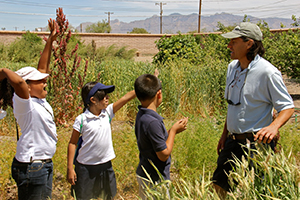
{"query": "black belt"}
(17, 163)
(242, 136)
(42, 161)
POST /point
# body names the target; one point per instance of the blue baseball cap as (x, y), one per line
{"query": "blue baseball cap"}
(99, 86)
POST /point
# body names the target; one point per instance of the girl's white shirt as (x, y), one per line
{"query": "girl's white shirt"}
(97, 145)
(36, 120)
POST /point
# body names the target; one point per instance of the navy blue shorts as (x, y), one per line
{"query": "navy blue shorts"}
(225, 164)
(94, 181)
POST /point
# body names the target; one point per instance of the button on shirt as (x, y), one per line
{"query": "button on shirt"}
(97, 146)
(263, 90)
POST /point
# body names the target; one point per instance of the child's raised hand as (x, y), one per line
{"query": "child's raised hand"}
(180, 125)
(156, 72)
(53, 27)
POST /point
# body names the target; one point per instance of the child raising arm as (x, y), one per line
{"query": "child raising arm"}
(24, 90)
(94, 176)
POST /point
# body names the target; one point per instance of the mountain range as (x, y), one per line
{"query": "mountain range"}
(176, 22)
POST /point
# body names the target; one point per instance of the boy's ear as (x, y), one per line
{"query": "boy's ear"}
(159, 94)
(29, 88)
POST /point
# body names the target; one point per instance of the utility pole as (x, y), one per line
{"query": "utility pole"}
(109, 13)
(199, 17)
(161, 12)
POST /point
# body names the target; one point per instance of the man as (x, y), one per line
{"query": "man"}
(254, 87)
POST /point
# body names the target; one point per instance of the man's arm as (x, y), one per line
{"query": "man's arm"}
(267, 134)
(223, 138)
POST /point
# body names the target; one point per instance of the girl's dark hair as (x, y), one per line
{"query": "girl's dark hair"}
(257, 48)
(146, 86)
(6, 94)
(100, 94)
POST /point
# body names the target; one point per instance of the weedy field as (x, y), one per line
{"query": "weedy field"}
(194, 159)
(193, 81)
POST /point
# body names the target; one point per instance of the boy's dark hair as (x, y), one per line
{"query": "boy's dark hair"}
(6, 94)
(257, 48)
(146, 86)
(100, 94)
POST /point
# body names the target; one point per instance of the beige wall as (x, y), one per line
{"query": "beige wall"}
(143, 43)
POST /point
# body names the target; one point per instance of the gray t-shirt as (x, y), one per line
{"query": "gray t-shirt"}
(258, 89)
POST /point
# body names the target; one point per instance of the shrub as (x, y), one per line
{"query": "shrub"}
(177, 47)
(25, 49)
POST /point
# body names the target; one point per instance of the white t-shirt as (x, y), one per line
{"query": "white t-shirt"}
(97, 146)
(39, 138)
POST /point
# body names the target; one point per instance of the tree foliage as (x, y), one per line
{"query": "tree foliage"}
(99, 27)
(25, 49)
(139, 31)
(282, 49)
(296, 22)
(177, 46)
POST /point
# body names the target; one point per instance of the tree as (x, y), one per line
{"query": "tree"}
(296, 22)
(139, 31)
(99, 27)
(221, 27)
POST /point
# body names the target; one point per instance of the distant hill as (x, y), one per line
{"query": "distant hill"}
(184, 23)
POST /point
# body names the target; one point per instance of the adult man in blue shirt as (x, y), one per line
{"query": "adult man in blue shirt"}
(253, 88)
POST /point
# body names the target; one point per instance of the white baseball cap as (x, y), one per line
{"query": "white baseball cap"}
(31, 73)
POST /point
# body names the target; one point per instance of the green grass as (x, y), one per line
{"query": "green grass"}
(194, 91)
(193, 159)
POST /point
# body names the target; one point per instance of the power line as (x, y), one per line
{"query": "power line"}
(108, 16)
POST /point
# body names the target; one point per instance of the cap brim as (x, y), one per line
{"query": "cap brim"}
(39, 77)
(109, 88)
(231, 35)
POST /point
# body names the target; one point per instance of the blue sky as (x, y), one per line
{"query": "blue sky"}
(31, 14)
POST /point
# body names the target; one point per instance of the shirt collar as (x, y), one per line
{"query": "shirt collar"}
(254, 61)
(37, 100)
(90, 115)
(150, 112)
(251, 64)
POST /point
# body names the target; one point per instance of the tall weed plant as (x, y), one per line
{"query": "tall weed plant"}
(66, 77)
(273, 176)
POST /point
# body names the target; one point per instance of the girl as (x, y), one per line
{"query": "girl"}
(94, 176)
(32, 167)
